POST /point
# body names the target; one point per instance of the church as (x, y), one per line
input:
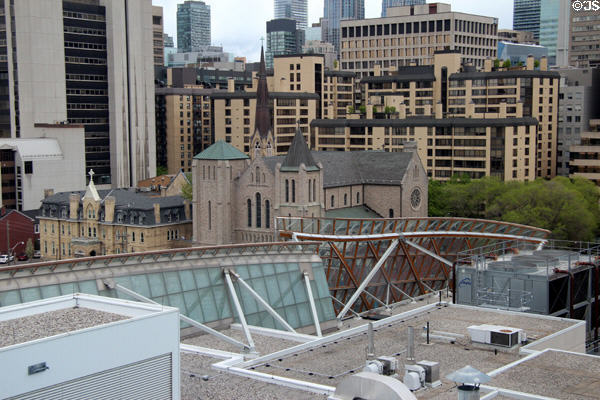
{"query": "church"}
(236, 197)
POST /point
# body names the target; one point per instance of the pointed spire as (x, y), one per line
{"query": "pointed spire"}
(299, 153)
(262, 120)
(91, 192)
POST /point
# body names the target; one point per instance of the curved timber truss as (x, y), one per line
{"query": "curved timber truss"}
(372, 263)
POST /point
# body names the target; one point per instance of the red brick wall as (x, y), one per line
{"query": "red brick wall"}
(20, 229)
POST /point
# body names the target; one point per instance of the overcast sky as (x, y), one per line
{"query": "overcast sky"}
(238, 25)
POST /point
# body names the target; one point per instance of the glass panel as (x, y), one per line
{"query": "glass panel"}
(89, 287)
(30, 294)
(157, 286)
(47, 292)
(187, 280)
(207, 302)
(201, 277)
(192, 305)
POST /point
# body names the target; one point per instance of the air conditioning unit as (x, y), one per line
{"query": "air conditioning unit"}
(432, 373)
(414, 377)
(497, 335)
(382, 365)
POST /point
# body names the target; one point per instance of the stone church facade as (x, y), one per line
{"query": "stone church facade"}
(236, 197)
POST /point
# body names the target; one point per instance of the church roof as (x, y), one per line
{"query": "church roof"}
(344, 168)
(298, 154)
(221, 151)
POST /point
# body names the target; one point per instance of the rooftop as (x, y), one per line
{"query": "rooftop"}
(34, 149)
(38, 326)
(221, 151)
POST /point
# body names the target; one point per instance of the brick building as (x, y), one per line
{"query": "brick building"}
(114, 221)
(16, 228)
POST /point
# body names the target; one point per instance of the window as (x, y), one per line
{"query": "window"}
(287, 191)
(249, 204)
(357, 197)
(345, 198)
(391, 213)
(29, 167)
(332, 200)
(257, 175)
(258, 214)
(313, 191)
(142, 236)
(267, 214)
(293, 190)
(209, 216)
(133, 236)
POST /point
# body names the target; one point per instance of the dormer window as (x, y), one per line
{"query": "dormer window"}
(120, 218)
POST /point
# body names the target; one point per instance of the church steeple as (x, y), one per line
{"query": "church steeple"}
(262, 139)
(263, 117)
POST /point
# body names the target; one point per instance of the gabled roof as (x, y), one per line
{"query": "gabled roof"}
(344, 168)
(298, 154)
(221, 151)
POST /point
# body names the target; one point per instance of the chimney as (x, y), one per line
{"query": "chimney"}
(487, 65)
(188, 210)
(369, 110)
(163, 191)
(230, 85)
(73, 205)
(48, 192)
(530, 63)
(156, 213)
(109, 208)
(544, 64)
(439, 113)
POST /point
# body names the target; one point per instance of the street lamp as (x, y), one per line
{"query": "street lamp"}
(12, 249)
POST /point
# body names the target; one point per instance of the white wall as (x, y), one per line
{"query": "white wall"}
(73, 355)
(63, 175)
(41, 61)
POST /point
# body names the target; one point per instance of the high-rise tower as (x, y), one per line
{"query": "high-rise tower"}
(526, 16)
(293, 9)
(336, 10)
(86, 63)
(193, 25)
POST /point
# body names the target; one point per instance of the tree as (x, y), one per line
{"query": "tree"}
(566, 207)
(161, 170)
(29, 249)
(335, 64)
(362, 109)
(389, 110)
(506, 64)
(187, 189)
(536, 63)
(350, 109)
(496, 63)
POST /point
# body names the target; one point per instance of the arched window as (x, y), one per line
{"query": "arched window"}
(258, 213)
(257, 175)
(209, 216)
(267, 214)
(133, 236)
(309, 189)
(204, 172)
(314, 185)
(416, 174)
(287, 191)
(249, 204)
(293, 190)
(357, 197)
(332, 200)
(345, 198)
(391, 213)
(142, 236)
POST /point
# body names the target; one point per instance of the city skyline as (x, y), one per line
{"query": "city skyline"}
(228, 19)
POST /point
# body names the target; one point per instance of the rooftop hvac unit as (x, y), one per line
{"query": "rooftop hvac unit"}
(432, 372)
(497, 335)
(414, 377)
(382, 365)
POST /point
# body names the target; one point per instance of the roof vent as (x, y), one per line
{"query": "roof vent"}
(497, 335)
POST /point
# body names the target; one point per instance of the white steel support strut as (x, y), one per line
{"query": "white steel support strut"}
(182, 317)
(428, 252)
(313, 309)
(266, 305)
(368, 278)
(240, 312)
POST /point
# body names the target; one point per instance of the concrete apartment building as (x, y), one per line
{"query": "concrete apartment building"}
(490, 122)
(93, 223)
(158, 45)
(411, 35)
(578, 104)
(585, 156)
(190, 117)
(85, 62)
(584, 34)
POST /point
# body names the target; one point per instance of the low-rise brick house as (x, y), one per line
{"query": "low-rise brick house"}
(90, 223)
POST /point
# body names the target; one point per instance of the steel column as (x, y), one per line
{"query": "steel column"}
(368, 278)
(313, 309)
(240, 312)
